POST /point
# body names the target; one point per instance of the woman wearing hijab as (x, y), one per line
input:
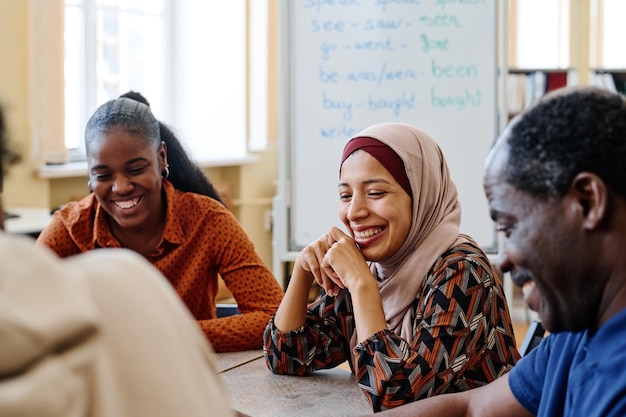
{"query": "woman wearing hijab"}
(414, 306)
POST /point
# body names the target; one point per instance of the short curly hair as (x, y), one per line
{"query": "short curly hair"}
(569, 131)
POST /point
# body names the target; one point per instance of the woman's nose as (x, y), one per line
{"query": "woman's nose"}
(357, 209)
(122, 184)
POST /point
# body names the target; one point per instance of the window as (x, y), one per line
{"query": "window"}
(258, 98)
(209, 93)
(111, 46)
(609, 34)
(542, 34)
(187, 57)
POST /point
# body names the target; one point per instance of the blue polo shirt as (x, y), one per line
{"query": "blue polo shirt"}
(575, 374)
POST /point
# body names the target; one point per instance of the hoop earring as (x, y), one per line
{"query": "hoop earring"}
(89, 187)
(166, 171)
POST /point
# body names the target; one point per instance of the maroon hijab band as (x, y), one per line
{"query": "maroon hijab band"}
(383, 154)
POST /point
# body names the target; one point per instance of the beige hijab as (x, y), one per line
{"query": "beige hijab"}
(436, 216)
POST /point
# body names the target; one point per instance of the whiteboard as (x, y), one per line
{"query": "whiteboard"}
(352, 63)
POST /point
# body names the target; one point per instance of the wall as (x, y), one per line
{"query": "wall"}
(21, 187)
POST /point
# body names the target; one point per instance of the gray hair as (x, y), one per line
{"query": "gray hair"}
(133, 116)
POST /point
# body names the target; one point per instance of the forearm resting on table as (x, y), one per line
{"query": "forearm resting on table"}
(291, 313)
(492, 400)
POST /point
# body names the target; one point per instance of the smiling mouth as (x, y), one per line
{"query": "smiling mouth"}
(367, 234)
(127, 204)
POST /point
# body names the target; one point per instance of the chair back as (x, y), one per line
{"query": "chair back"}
(533, 337)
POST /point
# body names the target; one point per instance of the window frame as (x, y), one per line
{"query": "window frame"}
(236, 76)
(87, 67)
(561, 36)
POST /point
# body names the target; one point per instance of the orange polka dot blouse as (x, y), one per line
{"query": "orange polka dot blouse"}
(201, 239)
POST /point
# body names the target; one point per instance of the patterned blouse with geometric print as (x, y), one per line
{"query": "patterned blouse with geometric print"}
(463, 336)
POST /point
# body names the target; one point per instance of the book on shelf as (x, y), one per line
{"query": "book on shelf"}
(555, 80)
(612, 79)
(516, 92)
(603, 80)
(524, 88)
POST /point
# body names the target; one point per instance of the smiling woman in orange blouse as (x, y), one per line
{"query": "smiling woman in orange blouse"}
(188, 236)
(413, 305)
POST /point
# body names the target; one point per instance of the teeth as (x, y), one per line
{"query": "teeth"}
(528, 287)
(127, 204)
(367, 234)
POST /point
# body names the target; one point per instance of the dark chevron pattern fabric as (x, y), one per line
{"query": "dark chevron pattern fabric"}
(463, 336)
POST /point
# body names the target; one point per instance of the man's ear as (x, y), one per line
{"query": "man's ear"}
(590, 196)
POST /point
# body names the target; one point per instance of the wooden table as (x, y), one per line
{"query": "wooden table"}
(253, 389)
(229, 360)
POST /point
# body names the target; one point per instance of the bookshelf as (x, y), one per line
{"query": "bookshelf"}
(612, 79)
(525, 86)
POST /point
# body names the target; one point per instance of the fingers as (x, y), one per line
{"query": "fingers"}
(310, 260)
(330, 240)
(334, 284)
(344, 263)
(321, 259)
(337, 234)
